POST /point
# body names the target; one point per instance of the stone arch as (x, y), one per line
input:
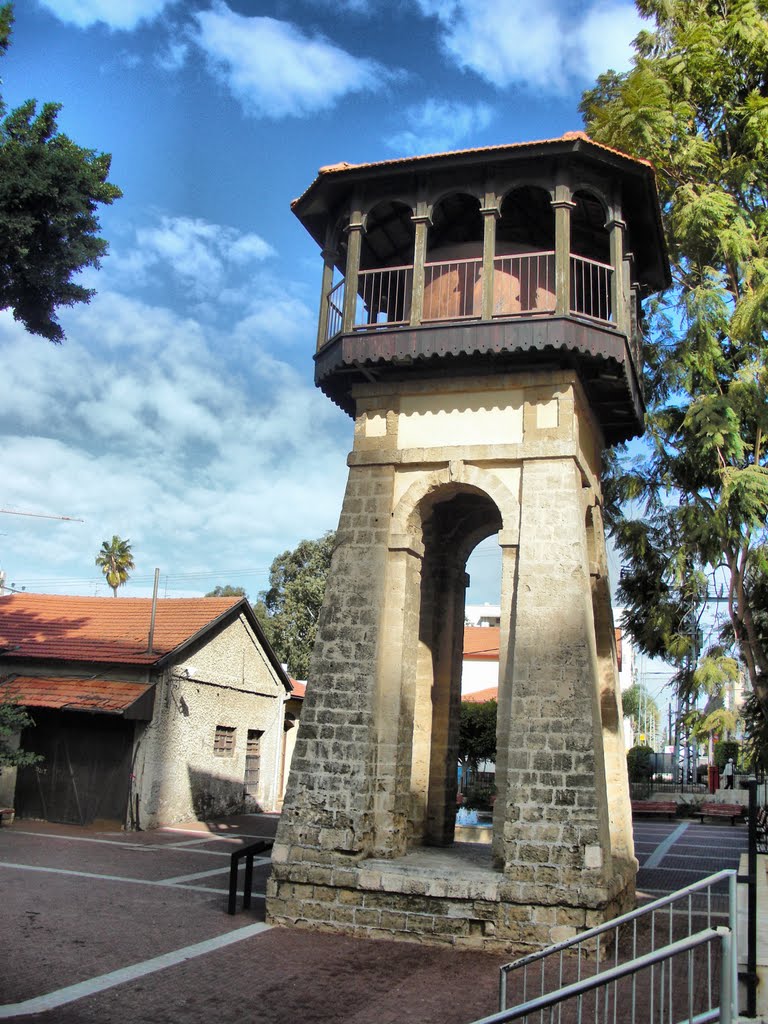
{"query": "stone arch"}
(442, 516)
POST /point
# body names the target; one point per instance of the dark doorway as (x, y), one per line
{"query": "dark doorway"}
(85, 773)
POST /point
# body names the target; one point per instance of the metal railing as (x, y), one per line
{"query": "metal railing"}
(335, 310)
(591, 288)
(384, 297)
(452, 290)
(250, 853)
(524, 284)
(651, 929)
(660, 987)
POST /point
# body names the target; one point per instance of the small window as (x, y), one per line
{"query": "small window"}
(224, 741)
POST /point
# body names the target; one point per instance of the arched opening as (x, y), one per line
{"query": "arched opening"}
(524, 265)
(455, 519)
(591, 270)
(453, 270)
(385, 277)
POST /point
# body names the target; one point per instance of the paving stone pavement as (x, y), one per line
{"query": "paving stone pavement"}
(136, 922)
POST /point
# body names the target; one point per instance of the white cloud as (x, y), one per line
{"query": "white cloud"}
(197, 252)
(439, 125)
(276, 70)
(548, 49)
(115, 14)
(143, 424)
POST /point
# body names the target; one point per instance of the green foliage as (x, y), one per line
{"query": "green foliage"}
(13, 719)
(640, 706)
(289, 610)
(695, 501)
(226, 591)
(477, 732)
(756, 734)
(50, 189)
(724, 749)
(115, 559)
(640, 761)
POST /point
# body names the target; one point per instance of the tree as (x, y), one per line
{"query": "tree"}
(289, 610)
(12, 720)
(640, 763)
(692, 507)
(477, 734)
(640, 707)
(50, 189)
(114, 560)
(227, 591)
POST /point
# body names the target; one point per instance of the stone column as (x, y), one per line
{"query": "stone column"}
(355, 230)
(330, 803)
(556, 840)
(617, 782)
(562, 205)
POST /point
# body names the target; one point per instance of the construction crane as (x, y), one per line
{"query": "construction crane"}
(39, 515)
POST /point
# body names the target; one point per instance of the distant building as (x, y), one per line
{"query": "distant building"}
(144, 715)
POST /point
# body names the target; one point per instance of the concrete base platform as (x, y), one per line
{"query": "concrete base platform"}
(438, 896)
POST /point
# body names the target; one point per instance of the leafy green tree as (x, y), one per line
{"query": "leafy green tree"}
(13, 719)
(477, 733)
(693, 504)
(640, 761)
(639, 705)
(50, 189)
(226, 591)
(289, 609)
(115, 559)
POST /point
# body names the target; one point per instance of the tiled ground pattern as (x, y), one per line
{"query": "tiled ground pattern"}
(117, 899)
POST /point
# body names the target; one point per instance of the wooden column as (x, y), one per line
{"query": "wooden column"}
(490, 216)
(562, 205)
(354, 243)
(421, 221)
(329, 260)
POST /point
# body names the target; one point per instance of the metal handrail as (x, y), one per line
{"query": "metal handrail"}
(649, 909)
(249, 852)
(578, 988)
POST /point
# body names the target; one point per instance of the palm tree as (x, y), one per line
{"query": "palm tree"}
(114, 560)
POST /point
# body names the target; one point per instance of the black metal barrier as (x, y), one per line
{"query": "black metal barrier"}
(249, 852)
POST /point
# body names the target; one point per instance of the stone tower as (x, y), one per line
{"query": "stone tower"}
(479, 320)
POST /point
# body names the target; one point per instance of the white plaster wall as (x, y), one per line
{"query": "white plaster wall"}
(478, 675)
(226, 681)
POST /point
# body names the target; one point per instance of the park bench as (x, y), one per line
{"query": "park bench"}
(655, 807)
(713, 810)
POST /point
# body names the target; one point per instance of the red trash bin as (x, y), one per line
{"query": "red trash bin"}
(713, 778)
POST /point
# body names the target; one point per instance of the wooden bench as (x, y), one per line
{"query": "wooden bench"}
(655, 807)
(712, 810)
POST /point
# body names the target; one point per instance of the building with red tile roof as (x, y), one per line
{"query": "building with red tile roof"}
(145, 713)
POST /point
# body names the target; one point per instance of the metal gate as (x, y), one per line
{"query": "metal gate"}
(86, 769)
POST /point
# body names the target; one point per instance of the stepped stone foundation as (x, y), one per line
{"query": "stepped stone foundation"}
(366, 839)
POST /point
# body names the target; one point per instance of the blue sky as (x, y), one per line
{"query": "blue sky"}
(180, 412)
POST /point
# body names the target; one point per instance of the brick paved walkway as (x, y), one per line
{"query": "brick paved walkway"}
(137, 921)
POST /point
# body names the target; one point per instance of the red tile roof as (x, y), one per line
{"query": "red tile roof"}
(577, 136)
(481, 643)
(102, 629)
(299, 689)
(481, 696)
(105, 695)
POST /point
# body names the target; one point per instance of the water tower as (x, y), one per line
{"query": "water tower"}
(480, 321)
